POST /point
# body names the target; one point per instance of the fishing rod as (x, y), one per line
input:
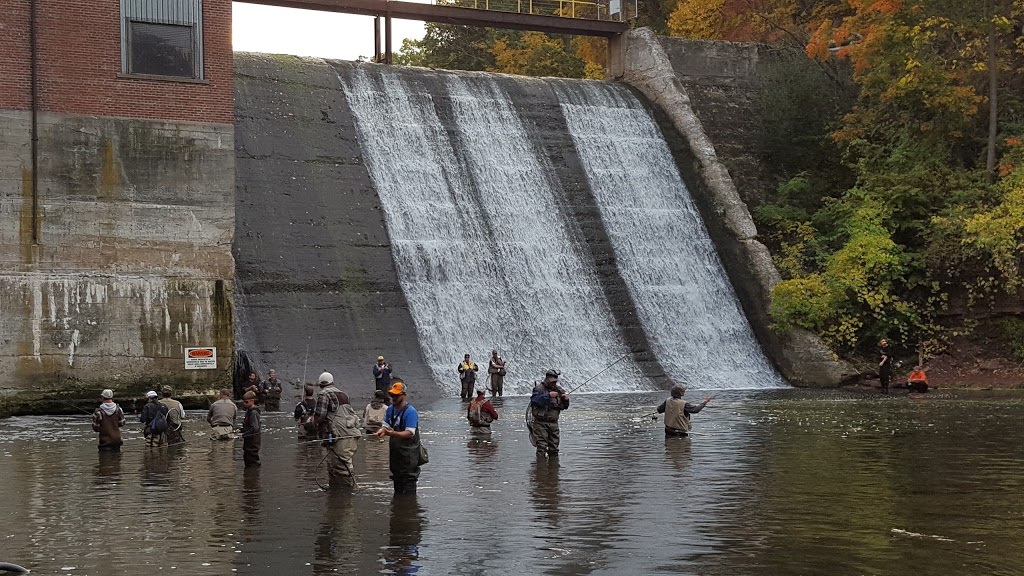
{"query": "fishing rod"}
(305, 362)
(585, 382)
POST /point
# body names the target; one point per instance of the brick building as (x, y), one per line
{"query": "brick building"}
(116, 193)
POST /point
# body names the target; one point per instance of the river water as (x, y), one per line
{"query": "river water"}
(776, 482)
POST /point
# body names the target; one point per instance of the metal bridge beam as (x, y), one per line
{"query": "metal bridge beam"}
(454, 15)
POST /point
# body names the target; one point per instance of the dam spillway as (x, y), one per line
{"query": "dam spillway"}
(462, 212)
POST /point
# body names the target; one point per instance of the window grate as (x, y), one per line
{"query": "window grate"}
(162, 37)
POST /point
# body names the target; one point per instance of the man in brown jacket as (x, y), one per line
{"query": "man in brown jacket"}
(108, 420)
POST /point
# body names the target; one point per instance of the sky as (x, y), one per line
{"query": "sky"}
(257, 28)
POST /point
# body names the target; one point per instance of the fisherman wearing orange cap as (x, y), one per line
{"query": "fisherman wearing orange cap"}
(401, 423)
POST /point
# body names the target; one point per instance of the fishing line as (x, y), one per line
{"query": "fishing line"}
(585, 382)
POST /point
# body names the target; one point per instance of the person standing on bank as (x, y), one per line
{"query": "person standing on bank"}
(677, 413)
(382, 378)
(250, 431)
(467, 375)
(339, 426)
(222, 416)
(885, 365)
(546, 405)
(401, 422)
(175, 415)
(108, 420)
(481, 413)
(496, 368)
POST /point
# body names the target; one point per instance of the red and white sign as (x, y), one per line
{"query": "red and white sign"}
(200, 358)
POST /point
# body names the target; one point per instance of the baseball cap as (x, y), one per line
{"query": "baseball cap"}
(480, 391)
(151, 394)
(108, 393)
(397, 388)
(326, 378)
(380, 357)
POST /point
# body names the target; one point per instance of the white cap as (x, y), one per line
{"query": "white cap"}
(108, 393)
(480, 390)
(150, 394)
(326, 378)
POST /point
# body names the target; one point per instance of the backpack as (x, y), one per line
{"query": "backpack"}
(159, 423)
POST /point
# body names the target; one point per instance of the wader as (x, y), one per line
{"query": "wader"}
(497, 382)
(404, 458)
(545, 435)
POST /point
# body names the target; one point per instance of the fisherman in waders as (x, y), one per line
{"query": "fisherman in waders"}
(481, 413)
(150, 412)
(496, 368)
(175, 414)
(374, 413)
(339, 427)
(677, 413)
(250, 431)
(467, 376)
(400, 425)
(222, 416)
(304, 414)
(382, 378)
(108, 420)
(546, 404)
(272, 392)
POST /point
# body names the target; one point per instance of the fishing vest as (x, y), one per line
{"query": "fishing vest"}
(344, 421)
(477, 417)
(554, 407)
(468, 372)
(173, 413)
(375, 416)
(676, 417)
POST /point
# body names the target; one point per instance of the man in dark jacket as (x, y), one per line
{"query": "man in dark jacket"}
(677, 413)
(304, 414)
(885, 365)
(546, 404)
(108, 420)
(382, 378)
(401, 425)
(271, 388)
(150, 411)
(251, 431)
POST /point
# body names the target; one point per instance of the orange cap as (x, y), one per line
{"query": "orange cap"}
(397, 388)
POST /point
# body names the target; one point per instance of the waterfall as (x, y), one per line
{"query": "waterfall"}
(684, 299)
(483, 251)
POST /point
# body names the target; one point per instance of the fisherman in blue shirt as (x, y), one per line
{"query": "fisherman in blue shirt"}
(400, 425)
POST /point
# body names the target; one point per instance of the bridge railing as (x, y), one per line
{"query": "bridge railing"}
(607, 10)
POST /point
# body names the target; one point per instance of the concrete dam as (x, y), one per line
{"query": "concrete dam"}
(322, 213)
(425, 214)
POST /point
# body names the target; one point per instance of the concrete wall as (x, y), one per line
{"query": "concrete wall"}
(317, 287)
(133, 260)
(646, 65)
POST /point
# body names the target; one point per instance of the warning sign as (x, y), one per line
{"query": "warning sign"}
(200, 358)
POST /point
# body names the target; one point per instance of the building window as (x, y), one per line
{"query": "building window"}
(162, 38)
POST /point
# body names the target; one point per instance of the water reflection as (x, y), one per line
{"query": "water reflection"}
(337, 546)
(772, 484)
(546, 490)
(677, 450)
(108, 469)
(402, 554)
